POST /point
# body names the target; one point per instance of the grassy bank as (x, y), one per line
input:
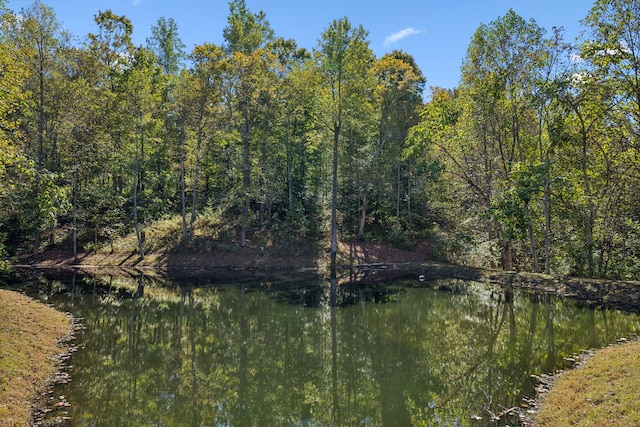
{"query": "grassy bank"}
(28, 332)
(602, 392)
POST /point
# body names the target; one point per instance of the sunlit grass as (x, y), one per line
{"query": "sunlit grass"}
(166, 234)
(28, 333)
(603, 392)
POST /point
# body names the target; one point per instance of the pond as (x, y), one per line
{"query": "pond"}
(260, 351)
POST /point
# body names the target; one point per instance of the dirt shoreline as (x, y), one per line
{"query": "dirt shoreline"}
(615, 294)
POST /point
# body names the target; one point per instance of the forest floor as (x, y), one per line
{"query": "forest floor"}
(366, 255)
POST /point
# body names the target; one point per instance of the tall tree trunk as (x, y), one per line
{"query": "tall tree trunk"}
(507, 255)
(265, 191)
(588, 226)
(183, 184)
(75, 212)
(334, 195)
(37, 238)
(36, 242)
(532, 245)
(194, 200)
(409, 177)
(289, 170)
(246, 180)
(136, 179)
(363, 215)
(41, 122)
(547, 225)
(398, 199)
(589, 217)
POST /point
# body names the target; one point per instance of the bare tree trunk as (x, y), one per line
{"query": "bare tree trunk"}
(41, 122)
(183, 185)
(590, 216)
(75, 212)
(589, 241)
(507, 255)
(409, 176)
(194, 200)
(37, 238)
(135, 217)
(398, 200)
(139, 235)
(246, 182)
(289, 172)
(532, 245)
(547, 226)
(334, 195)
(363, 215)
(36, 242)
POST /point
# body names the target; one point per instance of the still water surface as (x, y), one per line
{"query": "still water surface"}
(269, 352)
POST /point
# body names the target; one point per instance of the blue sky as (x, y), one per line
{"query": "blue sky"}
(435, 32)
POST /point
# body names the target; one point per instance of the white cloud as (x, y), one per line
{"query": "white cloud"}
(400, 35)
(578, 78)
(136, 2)
(574, 57)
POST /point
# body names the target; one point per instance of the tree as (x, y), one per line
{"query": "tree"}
(439, 141)
(245, 31)
(296, 132)
(613, 48)
(497, 78)
(143, 97)
(15, 167)
(39, 41)
(112, 52)
(248, 68)
(199, 101)
(167, 46)
(552, 116)
(343, 60)
(399, 93)
(112, 44)
(605, 100)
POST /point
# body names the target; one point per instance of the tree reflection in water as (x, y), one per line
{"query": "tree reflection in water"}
(313, 351)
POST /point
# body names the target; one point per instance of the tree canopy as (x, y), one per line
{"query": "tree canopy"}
(531, 163)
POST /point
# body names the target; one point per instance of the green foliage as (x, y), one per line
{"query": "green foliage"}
(512, 207)
(246, 31)
(533, 159)
(166, 45)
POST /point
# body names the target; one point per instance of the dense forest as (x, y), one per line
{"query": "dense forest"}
(531, 163)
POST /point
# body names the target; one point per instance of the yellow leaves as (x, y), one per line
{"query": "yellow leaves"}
(394, 73)
(209, 60)
(11, 81)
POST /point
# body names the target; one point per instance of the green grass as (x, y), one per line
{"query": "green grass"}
(28, 333)
(604, 391)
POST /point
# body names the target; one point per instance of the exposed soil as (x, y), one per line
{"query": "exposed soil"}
(232, 256)
(624, 295)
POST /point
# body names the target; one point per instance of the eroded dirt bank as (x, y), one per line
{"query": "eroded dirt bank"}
(624, 295)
